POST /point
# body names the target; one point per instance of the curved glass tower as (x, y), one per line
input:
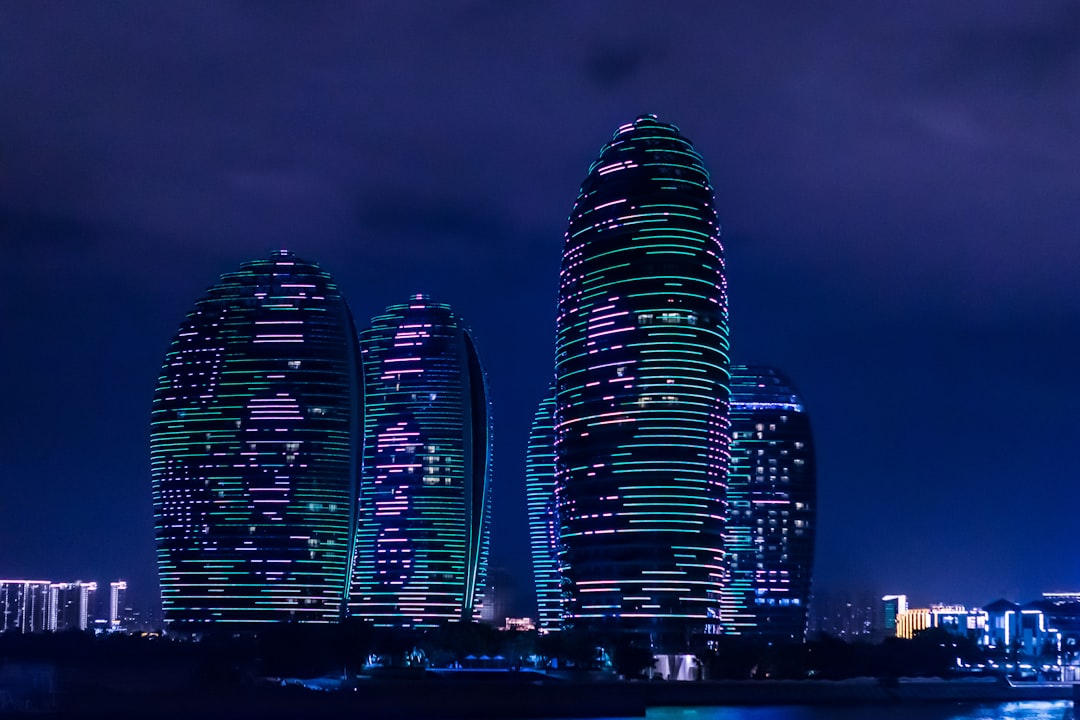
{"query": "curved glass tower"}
(251, 449)
(543, 517)
(773, 494)
(641, 416)
(423, 510)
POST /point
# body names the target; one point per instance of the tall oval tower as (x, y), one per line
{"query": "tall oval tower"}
(641, 417)
(424, 503)
(253, 431)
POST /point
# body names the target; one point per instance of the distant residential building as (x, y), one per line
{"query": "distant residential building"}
(71, 605)
(912, 621)
(955, 619)
(24, 605)
(846, 616)
(500, 597)
(519, 624)
(1020, 631)
(423, 509)
(960, 621)
(892, 606)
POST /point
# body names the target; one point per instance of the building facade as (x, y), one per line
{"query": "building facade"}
(423, 511)
(117, 605)
(772, 502)
(24, 605)
(543, 516)
(72, 605)
(1020, 631)
(253, 435)
(641, 398)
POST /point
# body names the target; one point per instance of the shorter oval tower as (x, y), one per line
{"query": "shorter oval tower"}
(253, 430)
(424, 503)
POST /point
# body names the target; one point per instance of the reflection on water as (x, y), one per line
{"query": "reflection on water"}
(1031, 710)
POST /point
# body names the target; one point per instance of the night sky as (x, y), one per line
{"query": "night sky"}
(898, 183)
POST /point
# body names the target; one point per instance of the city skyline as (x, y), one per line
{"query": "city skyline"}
(641, 394)
(896, 186)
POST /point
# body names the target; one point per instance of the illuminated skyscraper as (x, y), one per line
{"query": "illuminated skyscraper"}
(425, 495)
(117, 604)
(641, 414)
(543, 518)
(252, 443)
(772, 506)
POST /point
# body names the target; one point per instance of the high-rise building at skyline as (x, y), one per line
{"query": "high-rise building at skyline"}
(424, 503)
(543, 516)
(892, 606)
(24, 605)
(117, 603)
(772, 504)
(32, 606)
(71, 605)
(641, 416)
(253, 435)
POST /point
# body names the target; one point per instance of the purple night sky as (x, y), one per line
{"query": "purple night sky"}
(899, 186)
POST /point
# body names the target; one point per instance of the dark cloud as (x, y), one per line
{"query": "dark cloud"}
(1023, 53)
(24, 228)
(610, 66)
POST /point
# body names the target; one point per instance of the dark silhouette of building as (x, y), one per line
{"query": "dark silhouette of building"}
(253, 436)
(543, 516)
(772, 503)
(641, 415)
(423, 512)
(846, 615)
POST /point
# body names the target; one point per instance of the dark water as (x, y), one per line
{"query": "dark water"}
(1031, 710)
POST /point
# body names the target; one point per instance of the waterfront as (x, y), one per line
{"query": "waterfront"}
(1025, 710)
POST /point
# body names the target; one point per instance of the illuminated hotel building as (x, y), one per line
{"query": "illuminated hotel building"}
(253, 432)
(424, 502)
(543, 518)
(641, 404)
(912, 621)
(772, 504)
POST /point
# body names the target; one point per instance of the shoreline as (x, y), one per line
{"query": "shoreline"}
(504, 697)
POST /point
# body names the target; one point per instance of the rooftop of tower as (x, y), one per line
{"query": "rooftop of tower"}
(762, 386)
(653, 151)
(646, 120)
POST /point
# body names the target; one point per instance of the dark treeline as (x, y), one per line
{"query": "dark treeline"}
(294, 650)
